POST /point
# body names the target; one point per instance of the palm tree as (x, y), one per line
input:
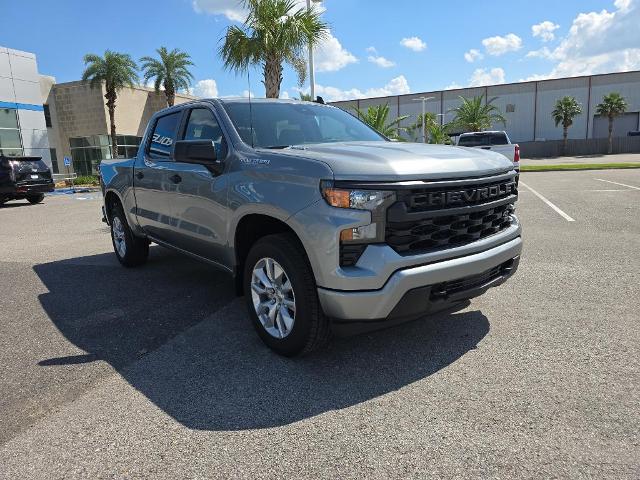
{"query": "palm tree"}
(439, 134)
(612, 105)
(377, 118)
(275, 32)
(171, 72)
(475, 115)
(425, 123)
(566, 109)
(116, 71)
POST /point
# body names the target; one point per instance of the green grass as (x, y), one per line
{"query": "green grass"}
(578, 166)
(86, 180)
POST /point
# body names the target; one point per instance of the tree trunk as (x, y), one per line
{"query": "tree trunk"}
(171, 97)
(111, 105)
(565, 140)
(610, 148)
(272, 76)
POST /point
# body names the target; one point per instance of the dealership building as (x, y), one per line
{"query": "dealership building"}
(23, 129)
(55, 120)
(527, 106)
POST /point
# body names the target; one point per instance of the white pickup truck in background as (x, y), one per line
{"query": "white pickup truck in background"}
(497, 141)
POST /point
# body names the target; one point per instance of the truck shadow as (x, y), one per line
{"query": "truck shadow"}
(218, 375)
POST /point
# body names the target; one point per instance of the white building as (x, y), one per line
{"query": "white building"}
(23, 128)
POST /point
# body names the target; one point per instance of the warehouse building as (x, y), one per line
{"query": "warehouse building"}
(527, 106)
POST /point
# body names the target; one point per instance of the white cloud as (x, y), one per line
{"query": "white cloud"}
(473, 55)
(500, 45)
(544, 30)
(381, 61)
(600, 42)
(481, 77)
(207, 88)
(244, 94)
(453, 86)
(533, 78)
(331, 56)
(413, 43)
(397, 86)
(543, 52)
(231, 9)
(372, 50)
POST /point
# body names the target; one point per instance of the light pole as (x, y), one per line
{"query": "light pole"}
(424, 114)
(312, 74)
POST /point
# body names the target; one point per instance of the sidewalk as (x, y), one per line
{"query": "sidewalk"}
(616, 158)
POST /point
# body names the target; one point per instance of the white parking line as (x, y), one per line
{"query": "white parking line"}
(616, 183)
(553, 207)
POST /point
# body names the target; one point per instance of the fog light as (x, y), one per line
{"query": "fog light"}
(366, 232)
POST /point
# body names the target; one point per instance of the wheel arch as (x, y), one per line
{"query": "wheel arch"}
(248, 230)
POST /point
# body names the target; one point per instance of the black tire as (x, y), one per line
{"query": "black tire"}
(136, 249)
(310, 329)
(3, 200)
(33, 199)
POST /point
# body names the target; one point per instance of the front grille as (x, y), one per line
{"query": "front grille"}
(417, 224)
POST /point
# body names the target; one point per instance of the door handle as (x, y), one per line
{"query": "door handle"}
(175, 178)
(139, 175)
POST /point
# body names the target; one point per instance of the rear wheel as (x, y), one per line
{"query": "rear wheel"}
(130, 250)
(281, 296)
(33, 199)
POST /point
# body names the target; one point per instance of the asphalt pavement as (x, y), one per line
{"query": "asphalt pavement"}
(155, 372)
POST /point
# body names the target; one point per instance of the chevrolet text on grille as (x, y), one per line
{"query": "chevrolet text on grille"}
(470, 194)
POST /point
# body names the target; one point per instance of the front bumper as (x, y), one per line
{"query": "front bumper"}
(415, 291)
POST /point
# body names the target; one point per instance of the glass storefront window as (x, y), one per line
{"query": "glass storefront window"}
(10, 138)
(8, 118)
(87, 152)
(11, 152)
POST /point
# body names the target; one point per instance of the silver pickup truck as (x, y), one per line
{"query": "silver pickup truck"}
(324, 224)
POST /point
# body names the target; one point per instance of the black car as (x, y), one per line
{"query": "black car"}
(24, 177)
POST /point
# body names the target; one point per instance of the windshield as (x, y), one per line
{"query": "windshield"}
(279, 125)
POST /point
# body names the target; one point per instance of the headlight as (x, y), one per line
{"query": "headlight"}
(374, 201)
(358, 199)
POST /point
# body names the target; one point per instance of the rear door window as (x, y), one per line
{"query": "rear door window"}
(164, 135)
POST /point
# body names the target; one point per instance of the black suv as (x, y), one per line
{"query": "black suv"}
(24, 177)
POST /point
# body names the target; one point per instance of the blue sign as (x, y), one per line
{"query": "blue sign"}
(67, 162)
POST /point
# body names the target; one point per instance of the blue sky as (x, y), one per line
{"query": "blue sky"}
(376, 47)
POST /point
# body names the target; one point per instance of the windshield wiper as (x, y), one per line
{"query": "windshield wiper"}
(277, 147)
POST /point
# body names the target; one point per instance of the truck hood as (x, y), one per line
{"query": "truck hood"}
(396, 161)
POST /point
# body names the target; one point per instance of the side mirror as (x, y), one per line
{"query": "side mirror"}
(202, 152)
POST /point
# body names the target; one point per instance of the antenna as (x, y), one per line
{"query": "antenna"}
(250, 107)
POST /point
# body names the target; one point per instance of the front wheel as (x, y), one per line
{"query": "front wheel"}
(281, 296)
(33, 199)
(130, 250)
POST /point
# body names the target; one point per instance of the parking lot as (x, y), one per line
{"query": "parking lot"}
(108, 372)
